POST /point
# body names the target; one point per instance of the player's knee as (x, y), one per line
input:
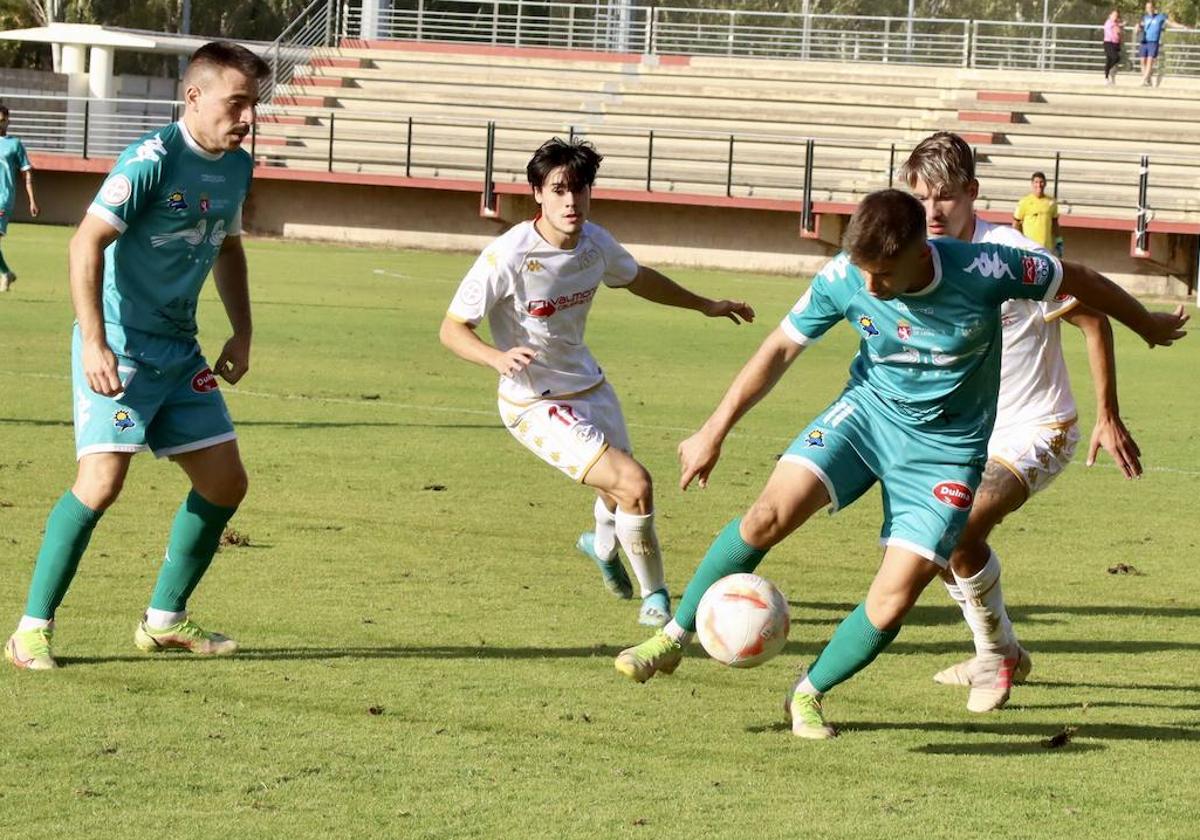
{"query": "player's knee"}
(237, 484)
(98, 489)
(969, 556)
(764, 524)
(887, 609)
(635, 489)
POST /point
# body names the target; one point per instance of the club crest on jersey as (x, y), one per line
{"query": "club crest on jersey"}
(204, 203)
(815, 439)
(955, 494)
(903, 330)
(868, 325)
(204, 382)
(122, 420)
(177, 200)
(1034, 271)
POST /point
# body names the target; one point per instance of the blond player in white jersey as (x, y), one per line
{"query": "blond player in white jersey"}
(1036, 431)
(535, 285)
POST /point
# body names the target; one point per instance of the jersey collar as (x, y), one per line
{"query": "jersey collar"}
(191, 143)
(937, 274)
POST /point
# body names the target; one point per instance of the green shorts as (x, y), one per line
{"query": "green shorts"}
(171, 403)
(928, 489)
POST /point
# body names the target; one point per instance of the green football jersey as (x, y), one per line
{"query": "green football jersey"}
(174, 203)
(13, 161)
(931, 359)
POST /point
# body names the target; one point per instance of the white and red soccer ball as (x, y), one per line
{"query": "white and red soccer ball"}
(743, 620)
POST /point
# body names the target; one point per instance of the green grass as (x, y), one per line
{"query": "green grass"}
(465, 615)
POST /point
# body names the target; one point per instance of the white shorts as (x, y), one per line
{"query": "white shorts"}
(569, 433)
(1035, 454)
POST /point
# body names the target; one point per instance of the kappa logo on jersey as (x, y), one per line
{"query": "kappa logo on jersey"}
(545, 307)
(1034, 271)
(116, 191)
(903, 330)
(815, 439)
(868, 325)
(177, 200)
(204, 382)
(151, 149)
(122, 420)
(955, 494)
(990, 264)
(534, 265)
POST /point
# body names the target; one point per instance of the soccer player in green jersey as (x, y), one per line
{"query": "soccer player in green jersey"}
(169, 211)
(915, 416)
(13, 159)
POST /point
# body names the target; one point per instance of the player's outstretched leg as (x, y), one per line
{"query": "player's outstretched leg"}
(216, 472)
(600, 546)
(860, 637)
(69, 528)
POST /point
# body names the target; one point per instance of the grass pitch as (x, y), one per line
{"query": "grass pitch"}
(426, 656)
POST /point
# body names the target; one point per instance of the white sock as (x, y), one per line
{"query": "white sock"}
(28, 622)
(162, 619)
(676, 632)
(955, 592)
(983, 608)
(640, 542)
(806, 687)
(605, 541)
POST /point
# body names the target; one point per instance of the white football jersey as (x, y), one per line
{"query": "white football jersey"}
(537, 296)
(1035, 389)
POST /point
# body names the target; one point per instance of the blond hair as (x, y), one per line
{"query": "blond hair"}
(941, 160)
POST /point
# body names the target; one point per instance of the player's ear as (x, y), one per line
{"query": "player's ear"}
(973, 189)
(537, 195)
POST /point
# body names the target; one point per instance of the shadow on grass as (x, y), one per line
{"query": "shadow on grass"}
(1032, 734)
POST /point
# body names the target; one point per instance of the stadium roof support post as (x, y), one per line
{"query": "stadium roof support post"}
(369, 24)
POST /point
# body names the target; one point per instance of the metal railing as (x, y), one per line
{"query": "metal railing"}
(319, 25)
(608, 25)
(88, 128)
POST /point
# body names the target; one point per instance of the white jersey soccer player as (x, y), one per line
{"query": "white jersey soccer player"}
(535, 286)
(1035, 433)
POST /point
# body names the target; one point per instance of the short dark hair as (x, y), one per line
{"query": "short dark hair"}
(1038, 174)
(221, 54)
(579, 157)
(4, 110)
(885, 223)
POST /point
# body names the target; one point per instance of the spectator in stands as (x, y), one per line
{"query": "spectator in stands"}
(1113, 28)
(13, 159)
(1150, 31)
(1036, 216)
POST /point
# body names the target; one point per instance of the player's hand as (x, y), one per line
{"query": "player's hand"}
(100, 370)
(1111, 434)
(697, 457)
(511, 362)
(234, 360)
(34, 210)
(1164, 328)
(731, 309)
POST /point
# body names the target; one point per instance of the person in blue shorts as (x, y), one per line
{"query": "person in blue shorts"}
(915, 416)
(1149, 33)
(169, 211)
(13, 159)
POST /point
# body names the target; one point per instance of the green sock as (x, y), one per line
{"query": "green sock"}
(728, 555)
(194, 538)
(855, 644)
(68, 530)
(4, 269)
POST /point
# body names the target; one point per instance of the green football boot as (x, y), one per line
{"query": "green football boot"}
(30, 649)
(183, 635)
(658, 654)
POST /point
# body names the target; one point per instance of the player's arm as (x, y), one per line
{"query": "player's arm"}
(233, 285)
(658, 288)
(1109, 431)
(85, 260)
(698, 454)
(34, 210)
(1097, 291)
(460, 338)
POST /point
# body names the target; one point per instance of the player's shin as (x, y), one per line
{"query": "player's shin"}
(605, 541)
(983, 608)
(728, 554)
(68, 530)
(854, 645)
(195, 535)
(640, 541)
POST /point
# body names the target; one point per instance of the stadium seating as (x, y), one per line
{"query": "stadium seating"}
(854, 113)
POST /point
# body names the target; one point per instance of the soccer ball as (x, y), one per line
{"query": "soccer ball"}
(743, 620)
